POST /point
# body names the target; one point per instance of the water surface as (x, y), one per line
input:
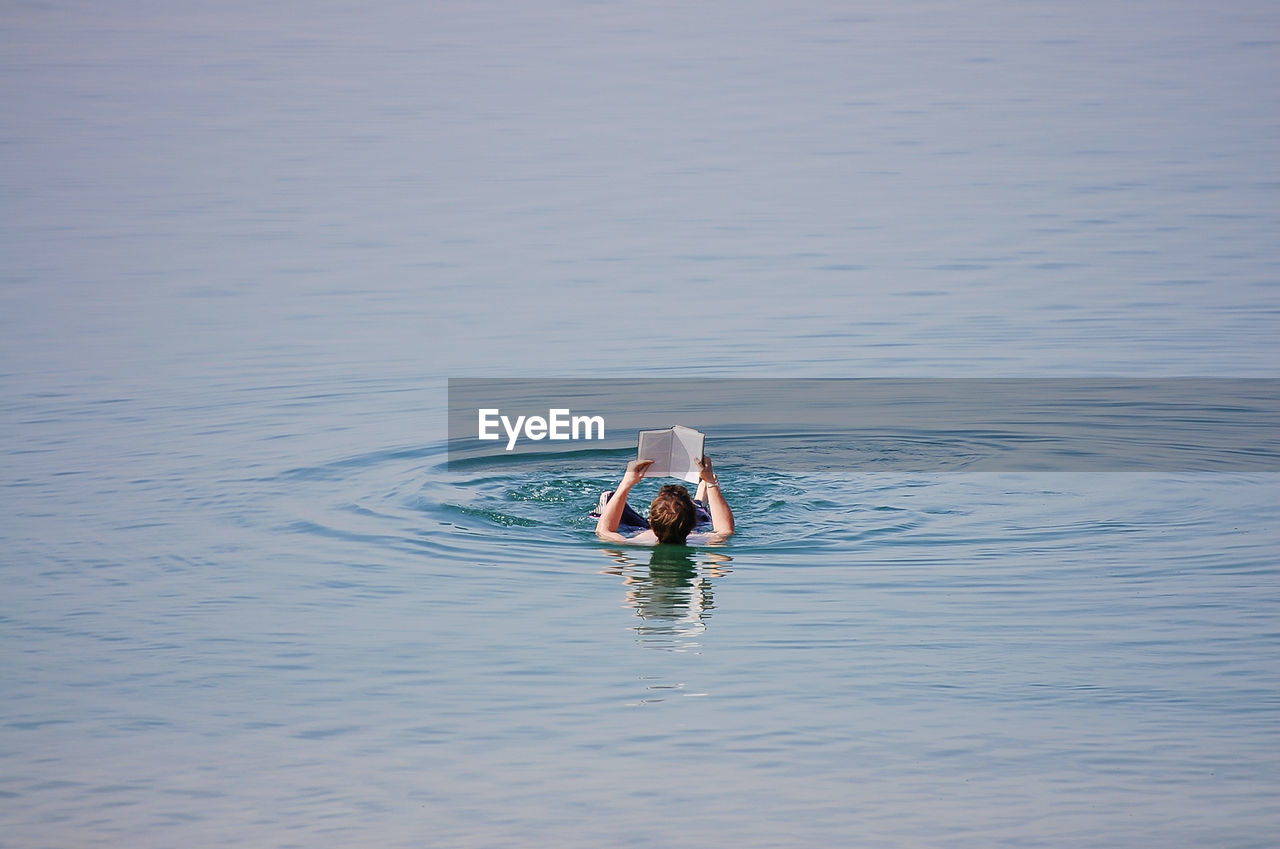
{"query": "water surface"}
(247, 602)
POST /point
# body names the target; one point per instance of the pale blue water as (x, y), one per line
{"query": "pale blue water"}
(245, 603)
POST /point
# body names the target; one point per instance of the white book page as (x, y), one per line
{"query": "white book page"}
(655, 445)
(686, 448)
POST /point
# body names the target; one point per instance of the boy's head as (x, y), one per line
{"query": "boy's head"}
(672, 514)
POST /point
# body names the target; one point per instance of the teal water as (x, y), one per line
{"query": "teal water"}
(247, 601)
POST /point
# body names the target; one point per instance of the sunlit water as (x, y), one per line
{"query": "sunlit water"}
(247, 601)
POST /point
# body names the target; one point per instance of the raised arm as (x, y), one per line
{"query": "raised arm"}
(709, 485)
(611, 515)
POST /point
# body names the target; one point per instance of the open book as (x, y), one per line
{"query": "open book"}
(674, 451)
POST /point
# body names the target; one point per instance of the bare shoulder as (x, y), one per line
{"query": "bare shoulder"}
(642, 538)
(706, 539)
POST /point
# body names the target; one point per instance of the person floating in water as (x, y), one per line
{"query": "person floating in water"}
(673, 515)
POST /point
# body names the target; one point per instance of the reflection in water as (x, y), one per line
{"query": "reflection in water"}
(672, 594)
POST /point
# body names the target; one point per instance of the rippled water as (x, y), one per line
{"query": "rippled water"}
(247, 601)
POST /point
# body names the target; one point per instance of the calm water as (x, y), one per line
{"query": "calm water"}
(247, 603)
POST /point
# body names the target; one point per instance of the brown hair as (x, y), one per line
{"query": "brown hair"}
(672, 514)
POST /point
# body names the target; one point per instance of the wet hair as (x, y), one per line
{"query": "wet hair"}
(672, 514)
